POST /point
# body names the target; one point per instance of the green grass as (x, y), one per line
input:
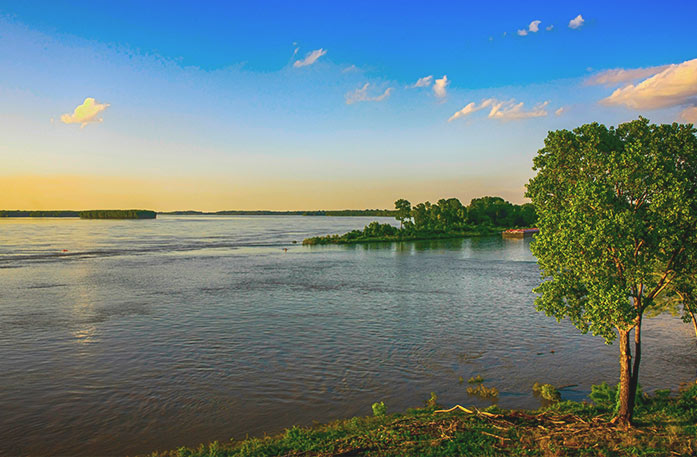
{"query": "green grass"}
(355, 237)
(664, 426)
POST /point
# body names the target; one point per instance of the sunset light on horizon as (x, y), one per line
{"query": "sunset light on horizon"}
(174, 106)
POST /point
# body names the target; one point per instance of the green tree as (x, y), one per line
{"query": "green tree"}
(617, 212)
(403, 208)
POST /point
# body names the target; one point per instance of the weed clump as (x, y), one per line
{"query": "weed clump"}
(475, 379)
(482, 391)
(432, 402)
(379, 409)
(546, 391)
(608, 397)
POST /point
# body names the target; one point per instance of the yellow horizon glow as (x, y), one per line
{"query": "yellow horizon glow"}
(64, 192)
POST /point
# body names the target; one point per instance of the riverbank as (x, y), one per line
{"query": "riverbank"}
(664, 425)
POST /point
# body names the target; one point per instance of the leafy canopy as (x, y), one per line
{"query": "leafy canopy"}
(617, 212)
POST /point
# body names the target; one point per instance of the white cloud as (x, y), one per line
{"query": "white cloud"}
(510, 110)
(534, 26)
(502, 110)
(560, 111)
(576, 22)
(310, 58)
(522, 32)
(86, 113)
(676, 85)
(620, 75)
(349, 69)
(423, 82)
(689, 115)
(361, 95)
(549, 27)
(439, 87)
(470, 108)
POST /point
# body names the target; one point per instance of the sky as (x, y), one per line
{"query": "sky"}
(318, 105)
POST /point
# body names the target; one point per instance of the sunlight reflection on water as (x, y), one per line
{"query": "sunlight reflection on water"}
(155, 334)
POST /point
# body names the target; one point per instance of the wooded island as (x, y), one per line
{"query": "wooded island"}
(448, 218)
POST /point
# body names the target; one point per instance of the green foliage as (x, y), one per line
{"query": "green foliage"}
(549, 392)
(617, 209)
(379, 409)
(118, 214)
(608, 397)
(341, 212)
(546, 391)
(604, 395)
(447, 218)
(55, 213)
(403, 208)
(617, 213)
(475, 379)
(561, 428)
(482, 391)
(432, 401)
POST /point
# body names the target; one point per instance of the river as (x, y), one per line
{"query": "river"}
(125, 337)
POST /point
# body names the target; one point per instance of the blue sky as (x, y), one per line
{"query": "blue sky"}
(286, 105)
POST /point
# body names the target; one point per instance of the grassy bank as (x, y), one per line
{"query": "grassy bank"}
(365, 236)
(665, 425)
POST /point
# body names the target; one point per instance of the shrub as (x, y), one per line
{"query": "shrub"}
(549, 392)
(482, 391)
(608, 397)
(379, 409)
(432, 401)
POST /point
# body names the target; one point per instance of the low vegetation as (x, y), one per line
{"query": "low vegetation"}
(91, 214)
(118, 214)
(52, 213)
(340, 212)
(448, 218)
(664, 425)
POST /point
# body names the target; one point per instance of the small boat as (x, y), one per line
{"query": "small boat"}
(520, 233)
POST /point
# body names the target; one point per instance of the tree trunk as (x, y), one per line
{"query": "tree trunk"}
(626, 408)
(629, 374)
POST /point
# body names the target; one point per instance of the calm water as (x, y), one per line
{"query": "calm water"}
(149, 335)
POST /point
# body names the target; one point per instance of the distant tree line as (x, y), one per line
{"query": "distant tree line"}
(447, 218)
(342, 212)
(91, 214)
(53, 213)
(118, 214)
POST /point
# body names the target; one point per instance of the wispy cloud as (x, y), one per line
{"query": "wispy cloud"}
(439, 87)
(470, 108)
(423, 82)
(350, 69)
(620, 75)
(86, 113)
(522, 32)
(576, 22)
(560, 111)
(549, 27)
(676, 85)
(510, 110)
(361, 95)
(310, 58)
(507, 110)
